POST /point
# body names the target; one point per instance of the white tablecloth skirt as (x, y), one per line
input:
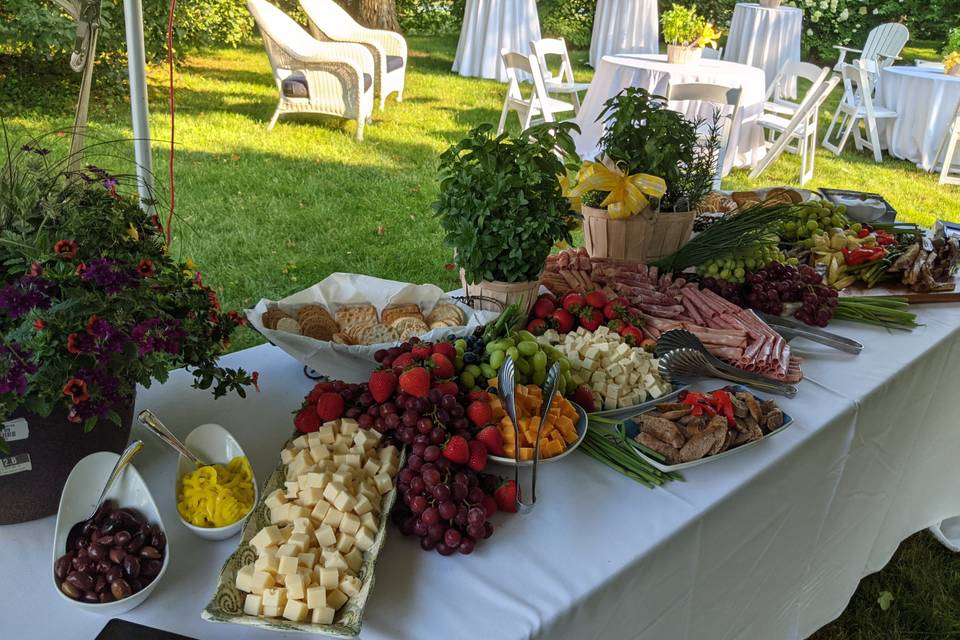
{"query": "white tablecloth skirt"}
(491, 25)
(765, 38)
(624, 26)
(653, 73)
(926, 102)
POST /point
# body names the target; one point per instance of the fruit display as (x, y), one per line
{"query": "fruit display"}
(309, 556)
(813, 217)
(610, 373)
(217, 495)
(556, 434)
(733, 267)
(116, 554)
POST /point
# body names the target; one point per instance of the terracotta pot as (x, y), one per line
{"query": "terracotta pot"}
(33, 475)
(769, 4)
(679, 54)
(644, 237)
(953, 71)
(524, 293)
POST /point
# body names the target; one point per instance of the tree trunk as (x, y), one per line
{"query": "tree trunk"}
(378, 14)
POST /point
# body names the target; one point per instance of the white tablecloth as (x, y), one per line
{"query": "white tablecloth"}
(765, 38)
(653, 73)
(624, 26)
(767, 544)
(491, 25)
(926, 102)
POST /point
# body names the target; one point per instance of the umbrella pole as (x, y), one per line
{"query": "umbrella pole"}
(137, 68)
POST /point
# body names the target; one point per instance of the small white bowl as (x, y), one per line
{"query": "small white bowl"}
(214, 444)
(77, 502)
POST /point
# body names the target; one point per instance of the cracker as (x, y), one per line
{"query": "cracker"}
(353, 315)
(313, 310)
(446, 311)
(318, 327)
(354, 331)
(342, 338)
(271, 316)
(289, 325)
(394, 312)
(377, 333)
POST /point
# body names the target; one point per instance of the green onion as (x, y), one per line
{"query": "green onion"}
(614, 450)
(881, 311)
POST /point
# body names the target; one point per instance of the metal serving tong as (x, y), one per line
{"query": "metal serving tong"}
(506, 389)
(148, 419)
(682, 356)
(790, 328)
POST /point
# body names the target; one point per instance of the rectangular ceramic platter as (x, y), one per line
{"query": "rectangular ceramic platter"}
(637, 409)
(787, 421)
(227, 602)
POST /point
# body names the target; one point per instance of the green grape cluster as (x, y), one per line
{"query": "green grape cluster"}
(531, 359)
(813, 217)
(734, 267)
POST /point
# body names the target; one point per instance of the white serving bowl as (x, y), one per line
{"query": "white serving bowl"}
(77, 502)
(214, 444)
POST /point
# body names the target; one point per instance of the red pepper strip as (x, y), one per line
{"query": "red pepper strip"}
(724, 406)
(863, 233)
(884, 238)
(859, 256)
(700, 404)
(876, 254)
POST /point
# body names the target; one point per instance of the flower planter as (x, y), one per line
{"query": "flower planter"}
(523, 293)
(953, 71)
(53, 445)
(644, 237)
(769, 4)
(680, 54)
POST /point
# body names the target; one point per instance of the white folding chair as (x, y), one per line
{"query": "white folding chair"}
(719, 95)
(796, 132)
(950, 172)
(883, 46)
(777, 101)
(709, 53)
(562, 83)
(857, 106)
(539, 107)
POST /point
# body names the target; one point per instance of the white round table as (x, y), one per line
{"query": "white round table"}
(926, 102)
(765, 38)
(624, 26)
(488, 27)
(653, 73)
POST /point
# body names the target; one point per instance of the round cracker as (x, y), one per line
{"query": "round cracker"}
(378, 333)
(271, 316)
(289, 325)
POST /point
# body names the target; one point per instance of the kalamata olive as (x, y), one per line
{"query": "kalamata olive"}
(135, 515)
(149, 552)
(89, 529)
(123, 518)
(120, 589)
(103, 511)
(109, 526)
(115, 573)
(150, 568)
(131, 566)
(92, 597)
(100, 584)
(107, 540)
(104, 566)
(97, 551)
(135, 584)
(81, 542)
(62, 566)
(121, 538)
(106, 597)
(70, 590)
(158, 540)
(136, 541)
(80, 580)
(85, 565)
(117, 555)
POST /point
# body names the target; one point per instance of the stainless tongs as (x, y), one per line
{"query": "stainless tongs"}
(790, 328)
(506, 389)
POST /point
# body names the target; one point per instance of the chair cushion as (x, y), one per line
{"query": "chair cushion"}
(394, 63)
(295, 85)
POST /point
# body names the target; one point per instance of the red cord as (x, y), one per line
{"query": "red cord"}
(173, 6)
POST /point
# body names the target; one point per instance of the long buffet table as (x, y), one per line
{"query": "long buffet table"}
(769, 543)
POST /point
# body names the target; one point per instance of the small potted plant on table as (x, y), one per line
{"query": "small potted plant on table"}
(686, 33)
(951, 53)
(91, 305)
(502, 208)
(639, 200)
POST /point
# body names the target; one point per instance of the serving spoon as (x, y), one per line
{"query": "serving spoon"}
(148, 419)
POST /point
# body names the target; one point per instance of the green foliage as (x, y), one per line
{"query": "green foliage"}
(832, 22)
(500, 202)
(430, 16)
(571, 20)
(953, 42)
(682, 25)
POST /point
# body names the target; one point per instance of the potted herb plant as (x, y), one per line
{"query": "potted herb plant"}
(686, 34)
(91, 305)
(645, 144)
(502, 208)
(951, 53)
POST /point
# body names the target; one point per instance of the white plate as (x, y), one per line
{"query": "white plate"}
(581, 428)
(77, 502)
(629, 412)
(212, 443)
(631, 429)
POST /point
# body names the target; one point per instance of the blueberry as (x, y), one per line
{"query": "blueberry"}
(470, 357)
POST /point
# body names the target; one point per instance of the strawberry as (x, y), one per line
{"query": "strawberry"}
(564, 320)
(491, 437)
(442, 366)
(634, 316)
(382, 385)
(597, 299)
(648, 344)
(447, 387)
(543, 307)
(584, 397)
(538, 326)
(489, 505)
(457, 450)
(478, 395)
(421, 351)
(506, 496)
(591, 319)
(446, 349)
(416, 382)
(403, 361)
(322, 387)
(478, 455)
(631, 335)
(329, 406)
(480, 413)
(615, 325)
(573, 302)
(615, 309)
(306, 421)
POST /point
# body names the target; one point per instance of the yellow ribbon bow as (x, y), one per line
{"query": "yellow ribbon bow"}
(627, 194)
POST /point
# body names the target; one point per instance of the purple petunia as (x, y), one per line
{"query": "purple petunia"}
(109, 276)
(158, 335)
(104, 393)
(15, 366)
(25, 294)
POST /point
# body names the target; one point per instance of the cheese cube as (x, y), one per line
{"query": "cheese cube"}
(602, 330)
(322, 615)
(350, 585)
(268, 536)
(267, 561)
(272, 611)
(341, 440)
(610, 403)
(350, 523)
(353, 460)
(354, 559)
(390, 454)
(364, 539)
(613, 391)
(341, 477)
(325, 536)
(287, 565)
(336, 599)
(244, 579)
(348, 426)
(384, 482)
(301, 442)
(332, 490)
(302, 459)
(295, 611)
(364, 439)
(300, 540)
(276, 597)
(655, 391)
(341, 447)
(276, 498)
(333, 559)
(371, 466)
(326, 433)
(252, 605)
(296, 587)
(310, 496)
(588, 364)
(303, 525)
(260, 581)
(339, 458)
(370, 490)
(316, 597)
(288, 550)
(278, 514)
(369, 521)
(320, 452)
(388, 468)
(344, 501)
(286, 456)
(314, 479)
(592, 353)
(614, 370)
(296, 511)
(307, 559)
(320, 510)
(345, 542)
(333, 517)
(363, 505)
(329, 577)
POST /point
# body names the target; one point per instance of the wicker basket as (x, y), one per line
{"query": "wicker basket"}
(679, 54)
(953, 71)
(494, 294)
(644, 237)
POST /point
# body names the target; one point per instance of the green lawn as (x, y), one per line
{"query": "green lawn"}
(266, 214)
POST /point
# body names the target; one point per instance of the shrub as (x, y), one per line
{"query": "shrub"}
(430, 16)
(571, 20)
